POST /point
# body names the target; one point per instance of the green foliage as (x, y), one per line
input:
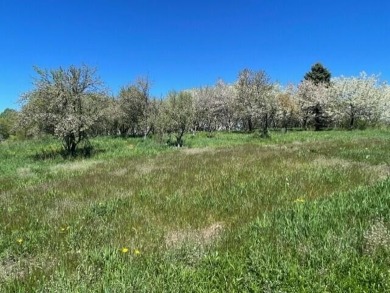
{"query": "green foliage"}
(318, 74)
(8, 120)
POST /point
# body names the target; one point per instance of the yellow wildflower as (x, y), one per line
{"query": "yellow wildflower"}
(299, 200)
(124, 250)
(19, 240)
(136, 252)
(64, 229)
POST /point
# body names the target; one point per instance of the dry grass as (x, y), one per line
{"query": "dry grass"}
(11, 268)
(146, 168)
(205, 236)
(378, 172)
(120, 172)
(82, 165)
(25, 172)
(64, 206)
(197, 151)
(376, 237)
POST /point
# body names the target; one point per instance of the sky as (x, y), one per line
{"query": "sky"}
(186, 44)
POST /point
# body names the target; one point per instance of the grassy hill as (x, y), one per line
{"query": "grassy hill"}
(300, 212)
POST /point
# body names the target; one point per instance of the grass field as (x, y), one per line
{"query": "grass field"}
(300, 212)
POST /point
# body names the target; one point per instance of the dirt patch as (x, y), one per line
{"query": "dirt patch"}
(376, 237)
(13, 268)
(203, 236)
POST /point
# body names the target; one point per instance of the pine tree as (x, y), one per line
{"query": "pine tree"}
(318, 74)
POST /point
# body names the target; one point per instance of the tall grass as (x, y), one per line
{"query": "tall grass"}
(305, 212)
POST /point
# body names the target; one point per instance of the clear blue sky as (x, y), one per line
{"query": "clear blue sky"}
(185, 44)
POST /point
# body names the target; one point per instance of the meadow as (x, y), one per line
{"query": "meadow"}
(299, 212)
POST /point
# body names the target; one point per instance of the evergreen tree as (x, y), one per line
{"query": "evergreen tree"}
(318, 74)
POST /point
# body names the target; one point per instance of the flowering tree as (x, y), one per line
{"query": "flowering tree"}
(214, 106)
(255, 98)
(314, 89)
(287, 106)
(204, 108)
(360, 98)
(65, 103)
(225, 99)
(316, 103)
(385, 105)
(176, 116)
(134, 108)
(108, 120)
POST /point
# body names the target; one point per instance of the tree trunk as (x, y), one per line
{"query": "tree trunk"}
(285, 121)
(179, 137)
(250, 125)
(317, 118)
(352, 120)
(264, 132)
(70, 144)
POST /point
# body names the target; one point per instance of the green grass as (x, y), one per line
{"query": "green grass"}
(300, 212)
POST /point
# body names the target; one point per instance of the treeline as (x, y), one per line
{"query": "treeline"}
(73, 104)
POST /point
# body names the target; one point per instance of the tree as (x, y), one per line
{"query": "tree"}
(287, 107)
(360, 99)
(225, 99)
(316, 104)
(214, 106)
(205, 116)
(134, 102)
(385, 105)
(255, 98)
(176, 116)
(318, 74)
(64, 102)
(108, 120)
(8, 119)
